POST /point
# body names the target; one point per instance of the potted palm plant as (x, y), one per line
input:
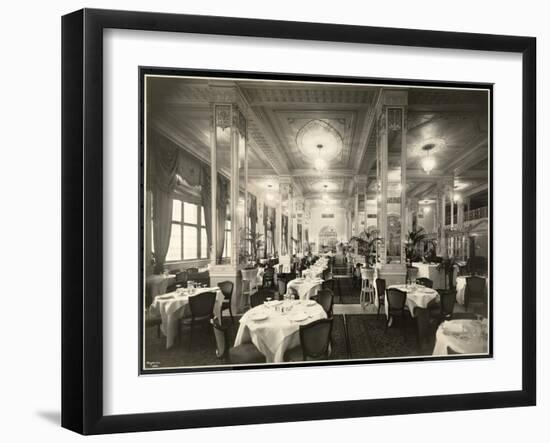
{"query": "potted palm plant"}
(414, 238)
(366, 245)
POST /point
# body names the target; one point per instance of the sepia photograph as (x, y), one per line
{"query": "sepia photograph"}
(294, 221)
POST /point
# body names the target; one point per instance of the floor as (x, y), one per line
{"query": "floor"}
(358, 333)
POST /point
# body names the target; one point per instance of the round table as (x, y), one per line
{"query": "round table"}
(172, 307)
(279, 331)
(417, 296)
(462, 336)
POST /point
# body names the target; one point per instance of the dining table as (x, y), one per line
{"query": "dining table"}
(462, 336)
(274, 326)
(305, 287)
(461, 287)
(417, 296)
(174, 306)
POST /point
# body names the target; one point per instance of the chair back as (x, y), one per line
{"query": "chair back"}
(269, 272)
(422, 316)
(475, 287)
(220, 334)
(227, 289)
(424, 281)
(315, 338)
(182, 277)
(259, 297)
(325, 297)
(448, 299)
(191, 271)
(380, 288)
(396, 298)
(281, 283)
(202, 305)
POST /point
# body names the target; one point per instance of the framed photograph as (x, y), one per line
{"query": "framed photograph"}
(255, 210)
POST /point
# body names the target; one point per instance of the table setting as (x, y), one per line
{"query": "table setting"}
(463, 336)
(274, 326)
(417, 296)
(173, 306)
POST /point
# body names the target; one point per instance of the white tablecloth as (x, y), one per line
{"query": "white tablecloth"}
(462, 336)
(172, 307)
(279, 332)
(461, 288)
(433, 272)
(417, 296)
(305, 288)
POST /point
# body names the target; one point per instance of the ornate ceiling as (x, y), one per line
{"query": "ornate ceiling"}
(287, 122)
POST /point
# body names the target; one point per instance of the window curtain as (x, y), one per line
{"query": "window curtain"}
(167, 166)
(273, 223)
(252, 212)
(284, 246)
(222, 198)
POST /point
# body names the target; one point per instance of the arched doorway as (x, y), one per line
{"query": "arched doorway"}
(328, 238)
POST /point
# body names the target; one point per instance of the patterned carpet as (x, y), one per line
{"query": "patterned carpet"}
(356, 336)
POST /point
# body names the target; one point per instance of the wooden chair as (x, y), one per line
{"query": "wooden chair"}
(424, 281)
(396, 306)
(314, 342)
(227, 290)
(475, 291)
(380, 293)
(246, 353)
(444, 309)
(325, 297)
(259, 297)
(268, 279)
(202, 311)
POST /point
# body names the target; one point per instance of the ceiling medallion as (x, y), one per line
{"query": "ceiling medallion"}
(319, 140)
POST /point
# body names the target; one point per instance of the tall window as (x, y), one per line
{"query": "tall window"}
(188, 240)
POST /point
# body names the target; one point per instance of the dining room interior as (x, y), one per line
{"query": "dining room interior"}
(290, 222)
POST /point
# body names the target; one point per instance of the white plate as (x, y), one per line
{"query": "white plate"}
(311, 303)
(299, 316)
(258, 316)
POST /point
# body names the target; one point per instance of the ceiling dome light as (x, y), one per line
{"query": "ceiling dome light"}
(320, 164)
(457, 198)
(428, 162)
(325, 195)
(269, 196)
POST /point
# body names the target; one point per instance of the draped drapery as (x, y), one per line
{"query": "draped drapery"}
(222, 198)
(252, 212)
(284, 246)
(299, 234)
(273, 226)
(170, 167)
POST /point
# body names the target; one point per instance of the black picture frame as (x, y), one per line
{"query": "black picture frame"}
(82, 220)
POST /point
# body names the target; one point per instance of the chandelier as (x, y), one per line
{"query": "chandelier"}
(320, 164)
(428, 162)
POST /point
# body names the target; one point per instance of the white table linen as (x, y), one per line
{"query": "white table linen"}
(417, 296)
(278, 332)
(433, 272)
(305, 287)
(462, 336)
(172, 307)
(461, 288)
